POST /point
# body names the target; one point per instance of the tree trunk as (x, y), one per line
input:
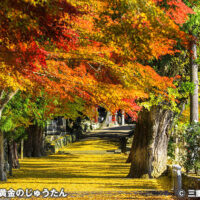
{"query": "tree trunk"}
(194, 111)
(33, 146)
(37, 141)
(22, 149)
(3, 176)
(69, 125)
(10, 160)
(15, 156)
(148, 154)
(28, 149)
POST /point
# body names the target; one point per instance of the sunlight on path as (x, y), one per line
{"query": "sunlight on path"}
(91, 144)
(82, 173)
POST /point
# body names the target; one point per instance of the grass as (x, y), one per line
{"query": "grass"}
(85, 176)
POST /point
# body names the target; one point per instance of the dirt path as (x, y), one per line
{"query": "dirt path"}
(88, 169)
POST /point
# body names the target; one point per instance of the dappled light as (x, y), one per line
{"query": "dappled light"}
(90, 175)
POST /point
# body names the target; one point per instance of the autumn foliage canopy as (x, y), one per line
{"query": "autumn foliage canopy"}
(97, 51)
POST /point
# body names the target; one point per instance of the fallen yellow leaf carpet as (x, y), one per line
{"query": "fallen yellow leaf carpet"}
(87, 169)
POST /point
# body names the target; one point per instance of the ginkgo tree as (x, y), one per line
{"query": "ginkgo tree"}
(138, 32)
(156, 123)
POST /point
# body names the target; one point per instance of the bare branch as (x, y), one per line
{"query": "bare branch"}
(94, 68)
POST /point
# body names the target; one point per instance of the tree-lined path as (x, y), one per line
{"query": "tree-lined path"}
(88, 169)
(76, 58)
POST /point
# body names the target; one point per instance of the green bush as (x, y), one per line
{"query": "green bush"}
(171, 148)
(192, 145)
(177, 141)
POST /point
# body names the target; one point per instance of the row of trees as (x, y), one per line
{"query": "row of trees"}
(64, 58)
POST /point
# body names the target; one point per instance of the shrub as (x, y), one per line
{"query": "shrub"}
(191, 159)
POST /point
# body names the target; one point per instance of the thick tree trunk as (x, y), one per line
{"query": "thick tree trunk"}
(37, 142)
(28, 149)
(148, 154)
(194, 111)
(33, 146)
(130, 156)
